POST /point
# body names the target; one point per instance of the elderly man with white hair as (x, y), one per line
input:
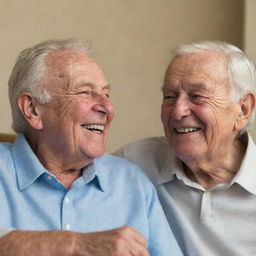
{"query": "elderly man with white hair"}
(205, 166)
(60, 194)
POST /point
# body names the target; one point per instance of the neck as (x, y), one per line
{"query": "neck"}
(219, 169)
(65, 166)
(66, 169)
(66, 177)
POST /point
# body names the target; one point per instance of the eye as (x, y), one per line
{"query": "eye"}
(169, 97)
(196, 96)
(86, 92)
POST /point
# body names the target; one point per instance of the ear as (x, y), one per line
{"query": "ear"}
(247, 105)
(29, 107)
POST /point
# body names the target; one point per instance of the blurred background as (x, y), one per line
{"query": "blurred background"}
(132, 41)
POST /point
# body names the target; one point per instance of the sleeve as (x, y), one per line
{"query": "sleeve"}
(161, 241)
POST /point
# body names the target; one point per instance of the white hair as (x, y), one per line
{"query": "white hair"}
(29, 75)
(241, 69)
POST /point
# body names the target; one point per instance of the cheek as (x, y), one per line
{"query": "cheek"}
(74, 110)
(111, 112)
(109, 106)
(66, 108)
(216, 118)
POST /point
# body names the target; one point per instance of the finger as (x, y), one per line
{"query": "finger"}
(137, 236)
(137, 244)
(138, 251)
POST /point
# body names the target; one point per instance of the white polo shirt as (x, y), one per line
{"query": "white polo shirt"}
(220, 221)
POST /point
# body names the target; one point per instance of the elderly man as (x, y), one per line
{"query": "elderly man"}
(205, 168)
(57, 185)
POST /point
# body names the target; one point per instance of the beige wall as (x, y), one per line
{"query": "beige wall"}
(250, 36)
(132, 41)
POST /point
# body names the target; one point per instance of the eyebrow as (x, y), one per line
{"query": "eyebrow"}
(193, 86)
(163, 88)
(198, 86)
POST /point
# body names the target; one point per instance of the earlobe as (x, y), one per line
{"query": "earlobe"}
(247, 106)
(30, 111)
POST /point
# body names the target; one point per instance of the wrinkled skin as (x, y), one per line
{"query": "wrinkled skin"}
(80, 97)
(123, 241)
(196, 96)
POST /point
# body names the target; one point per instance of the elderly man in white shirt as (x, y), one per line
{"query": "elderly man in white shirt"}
(205, 168)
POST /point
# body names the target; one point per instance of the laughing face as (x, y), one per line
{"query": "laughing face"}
(197, 113)
(76, 121)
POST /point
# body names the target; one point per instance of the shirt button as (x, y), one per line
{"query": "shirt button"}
(68, 226)
(49, 177)
(67, 200)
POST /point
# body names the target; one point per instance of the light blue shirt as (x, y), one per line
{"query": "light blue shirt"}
(111, 193)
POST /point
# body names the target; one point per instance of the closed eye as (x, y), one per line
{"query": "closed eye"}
(196, 96)
(167, 97)
(86, 92)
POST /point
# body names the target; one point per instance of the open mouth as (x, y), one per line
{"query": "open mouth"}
(186, 130)
(94, 127)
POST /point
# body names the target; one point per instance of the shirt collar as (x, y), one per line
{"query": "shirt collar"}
(101, 166)
(27, 165)
(29, 168)
(171, 165)
(173, 168)
(245, 177)
(93, 173)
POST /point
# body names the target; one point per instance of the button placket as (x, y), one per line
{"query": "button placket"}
(67, 212)
(206, 206)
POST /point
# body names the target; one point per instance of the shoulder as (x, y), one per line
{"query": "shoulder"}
(6, 159)
(122, 169)
(116, 163)
(5, 150)
(149, 154)
(153, 143)
(152, 147)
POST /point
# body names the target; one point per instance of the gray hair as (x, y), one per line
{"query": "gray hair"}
(241, 69)
(28, 75)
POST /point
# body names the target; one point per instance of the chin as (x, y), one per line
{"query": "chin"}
(186, 155)
(96, 153)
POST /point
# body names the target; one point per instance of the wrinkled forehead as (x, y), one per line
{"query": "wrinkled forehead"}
(64, 66)
(211, 63)
(63, 60)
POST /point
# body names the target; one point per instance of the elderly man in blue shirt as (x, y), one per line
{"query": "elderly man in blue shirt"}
(60, 193)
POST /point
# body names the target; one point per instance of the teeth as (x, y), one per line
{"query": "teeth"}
(94, 127)
(186, 130)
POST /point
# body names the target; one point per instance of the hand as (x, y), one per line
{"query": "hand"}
(123, 241)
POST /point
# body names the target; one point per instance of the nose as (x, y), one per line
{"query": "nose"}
(103, 105)
(181, 108)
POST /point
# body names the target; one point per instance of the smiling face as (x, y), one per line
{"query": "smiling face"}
(198, 117)
(76, 121)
